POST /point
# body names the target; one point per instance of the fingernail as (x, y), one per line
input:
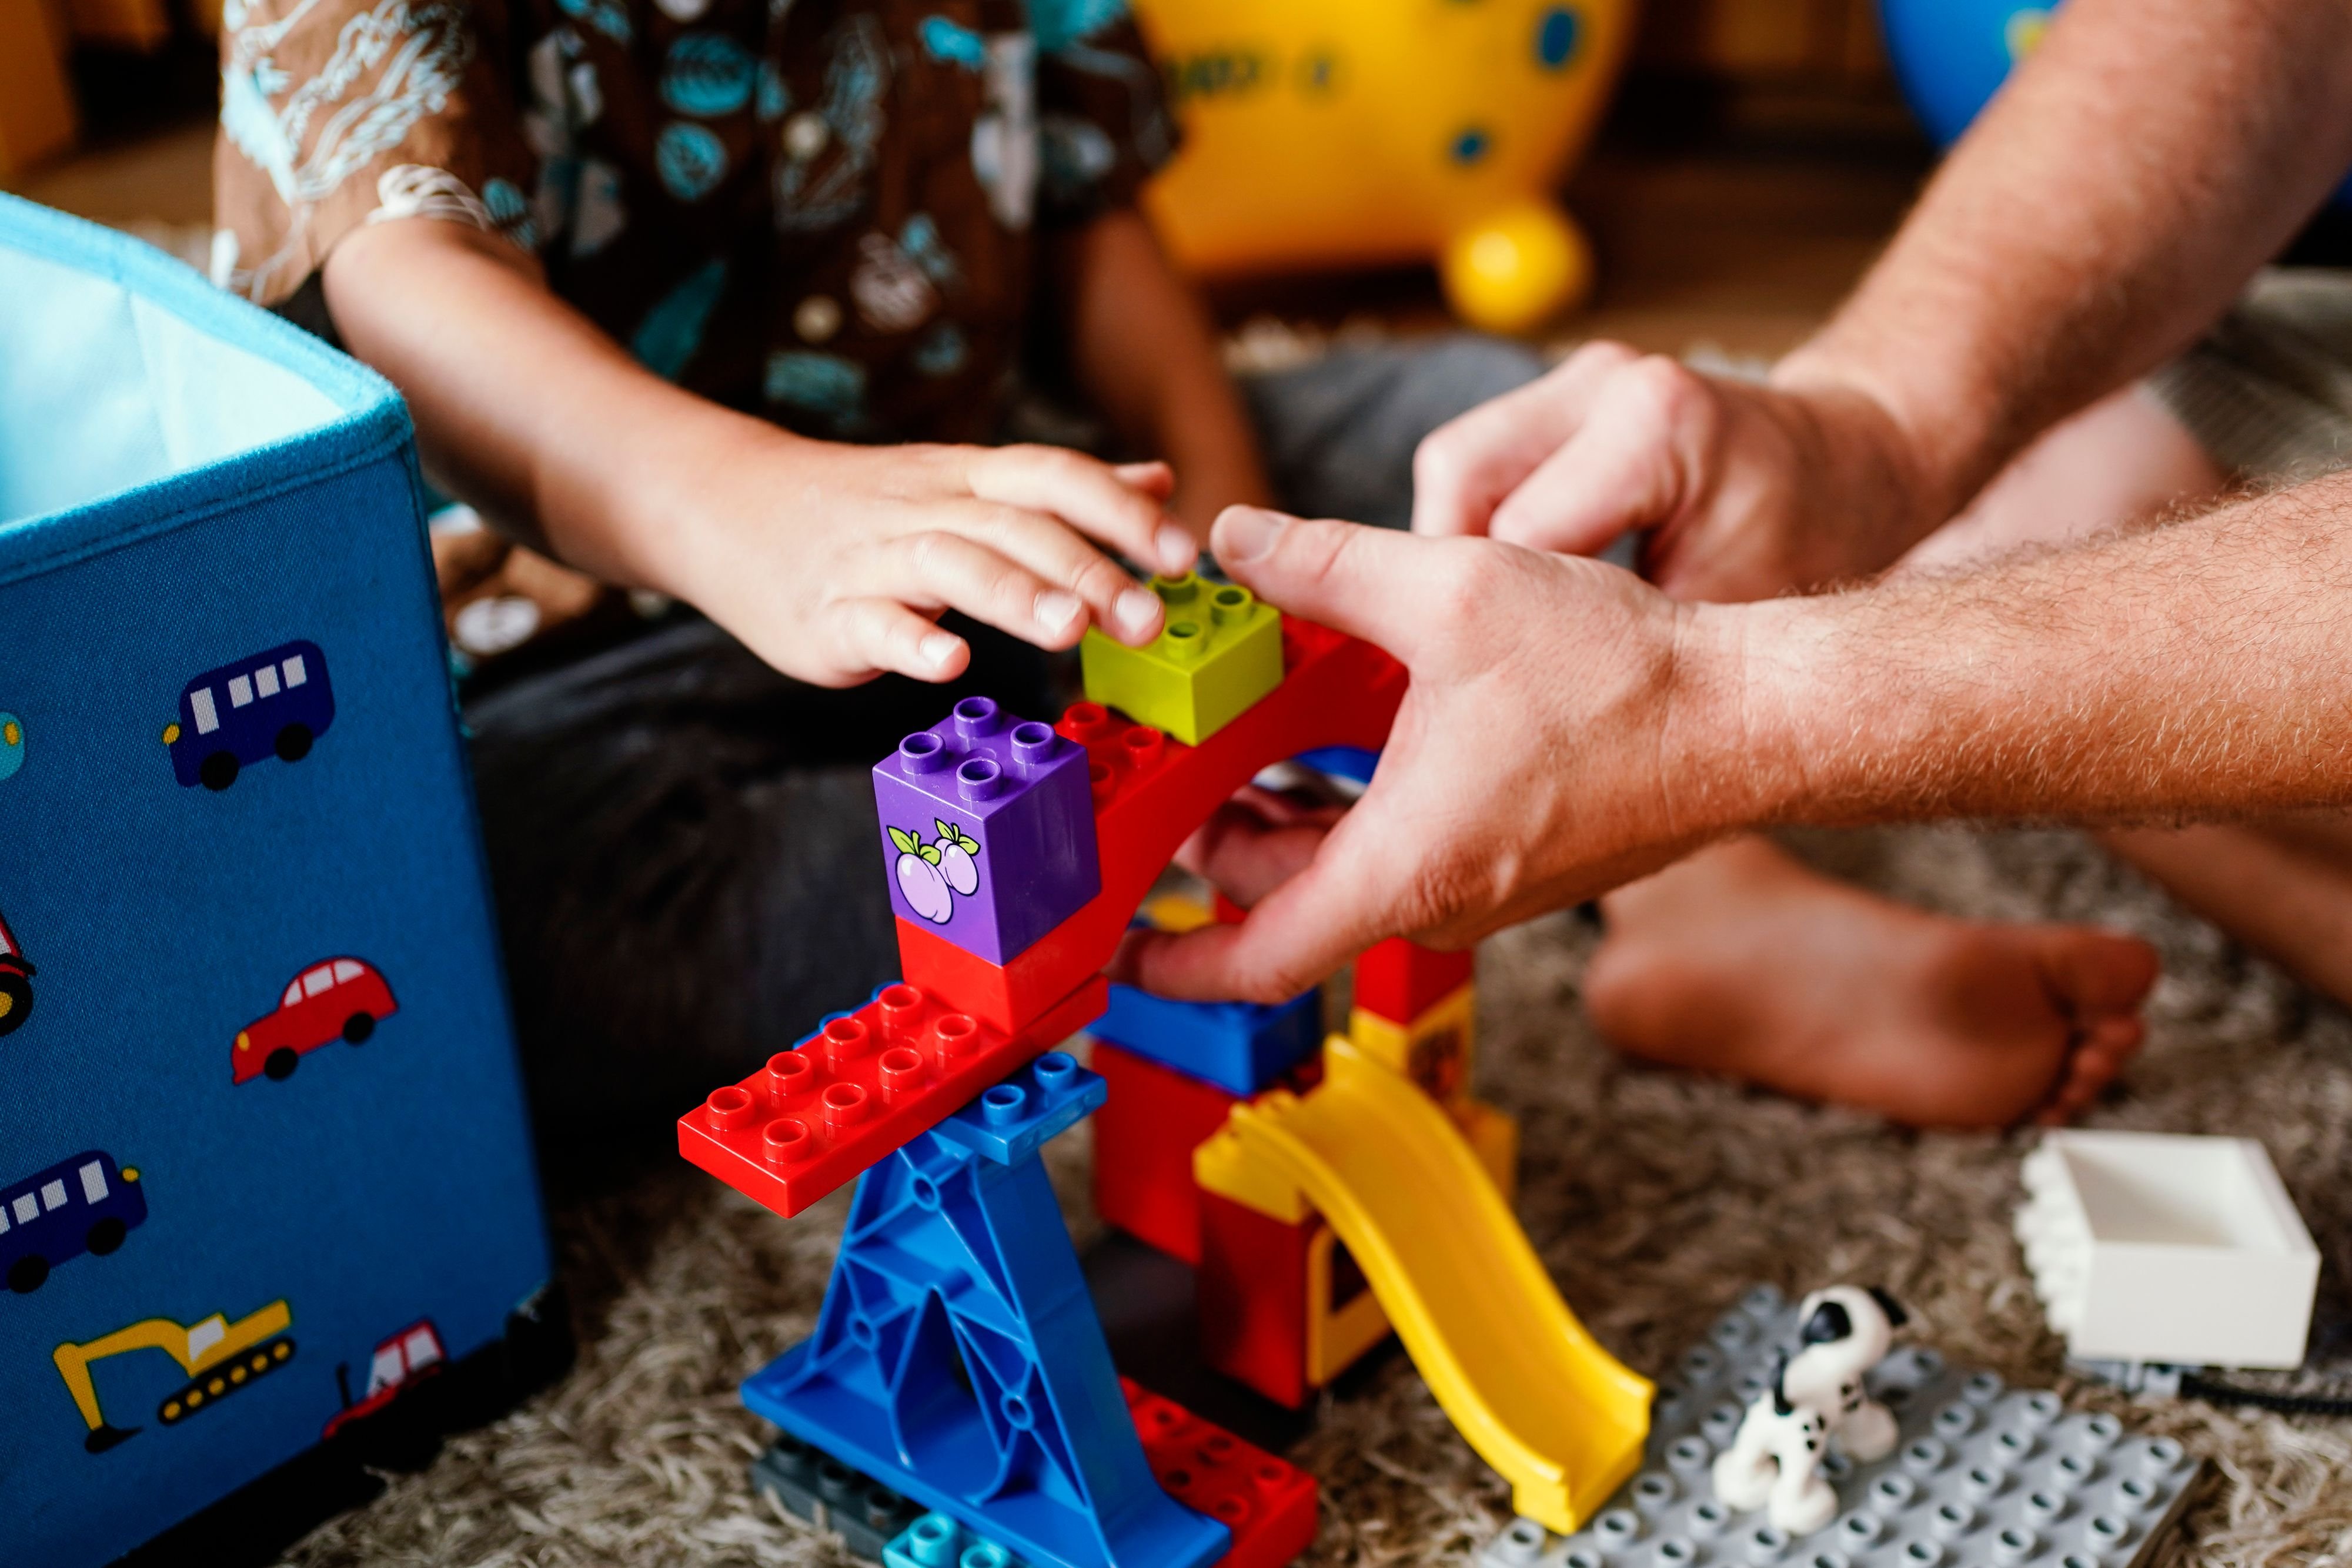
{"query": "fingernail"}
(1137, 608)
(937, 648)
(1178, 549)
(1056, 608)
(1248, 533)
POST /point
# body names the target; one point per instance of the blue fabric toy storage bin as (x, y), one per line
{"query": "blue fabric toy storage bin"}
(264, 1161)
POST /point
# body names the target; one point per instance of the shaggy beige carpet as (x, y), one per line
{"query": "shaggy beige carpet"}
(1655, 1198)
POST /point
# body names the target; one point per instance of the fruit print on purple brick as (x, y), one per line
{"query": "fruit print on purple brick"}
(986, 823)
(931, 875)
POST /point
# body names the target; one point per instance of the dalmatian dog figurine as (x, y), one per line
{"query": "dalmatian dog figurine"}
(1816, 1395)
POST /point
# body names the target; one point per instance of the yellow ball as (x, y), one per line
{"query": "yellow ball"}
(1526, 264)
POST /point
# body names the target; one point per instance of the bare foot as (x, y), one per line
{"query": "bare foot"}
(1741, 961)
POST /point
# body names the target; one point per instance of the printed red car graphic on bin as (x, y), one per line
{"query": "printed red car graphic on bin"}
(335, 998)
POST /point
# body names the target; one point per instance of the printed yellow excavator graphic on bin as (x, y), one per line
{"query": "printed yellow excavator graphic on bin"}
(220, 1357)
(1518, 1375)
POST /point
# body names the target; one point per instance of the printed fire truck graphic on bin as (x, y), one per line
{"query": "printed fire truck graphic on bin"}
(335, 998)
(399, 1363)
(16, 983)
(276, 703)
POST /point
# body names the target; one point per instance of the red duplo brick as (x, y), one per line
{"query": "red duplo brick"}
(1150, 792)
(1251, 1293)
(1144, 1138)
(1267, 1503)
(862, 1086)
(1399, 980)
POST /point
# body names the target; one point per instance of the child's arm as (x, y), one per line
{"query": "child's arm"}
(1145, 349)
(831, 562)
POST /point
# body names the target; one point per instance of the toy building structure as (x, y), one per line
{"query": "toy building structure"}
(957, 1403)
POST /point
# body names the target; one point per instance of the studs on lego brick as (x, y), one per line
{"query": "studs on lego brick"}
(1218, 652)
(1925, 1456)
(862, 1085)
(1689, 1456)
(1519, 1544)
(1119, 752)
(786, 1142)
(1985, 1481)
(990, 829)
(1618, 1527)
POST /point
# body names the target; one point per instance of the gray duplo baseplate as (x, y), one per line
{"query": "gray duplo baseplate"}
(1984, 1476)
(810, 1484)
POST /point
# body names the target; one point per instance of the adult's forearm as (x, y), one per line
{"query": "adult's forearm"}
(523, 407)
(2106, 207)
(2195, 670)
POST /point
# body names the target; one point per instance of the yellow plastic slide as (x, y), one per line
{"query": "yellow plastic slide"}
(1520, 1378)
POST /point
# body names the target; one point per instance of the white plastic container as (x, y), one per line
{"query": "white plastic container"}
(2160, 1246)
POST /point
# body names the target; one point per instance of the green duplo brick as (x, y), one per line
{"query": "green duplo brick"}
(1218, 652)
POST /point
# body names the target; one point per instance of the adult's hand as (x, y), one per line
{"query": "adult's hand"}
(1568, 728)
(1743, 490)
(1533, 764)
(2100, 214)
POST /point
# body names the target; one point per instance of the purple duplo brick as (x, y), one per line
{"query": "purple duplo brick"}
(988, 828)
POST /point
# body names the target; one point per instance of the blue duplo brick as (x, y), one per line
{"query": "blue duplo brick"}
(1240, 1047)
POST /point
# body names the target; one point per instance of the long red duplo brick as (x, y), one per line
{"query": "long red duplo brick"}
(859, 1088)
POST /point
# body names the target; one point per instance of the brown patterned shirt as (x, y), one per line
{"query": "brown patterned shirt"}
(820, 211)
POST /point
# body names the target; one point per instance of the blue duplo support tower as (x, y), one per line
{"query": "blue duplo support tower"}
(958, 1359)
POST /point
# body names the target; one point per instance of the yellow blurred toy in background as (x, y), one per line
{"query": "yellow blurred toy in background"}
(1351, 132)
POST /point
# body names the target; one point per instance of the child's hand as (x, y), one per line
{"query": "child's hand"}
(834, 563)
(831, 562)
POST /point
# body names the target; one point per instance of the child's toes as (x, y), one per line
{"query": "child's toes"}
(2096, 1059)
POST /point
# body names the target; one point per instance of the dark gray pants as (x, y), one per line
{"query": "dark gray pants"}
(683, 842)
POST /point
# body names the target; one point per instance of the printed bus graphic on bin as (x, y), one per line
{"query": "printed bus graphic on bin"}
(335, 998)
(272, 705)
(86, 1203)
(16, 983)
